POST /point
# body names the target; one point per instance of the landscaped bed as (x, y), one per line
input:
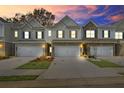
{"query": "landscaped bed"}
(18, 78)
(3, 57)
(103, 63)
(38, 63)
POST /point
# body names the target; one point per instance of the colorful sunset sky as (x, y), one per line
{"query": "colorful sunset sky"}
(101, 14)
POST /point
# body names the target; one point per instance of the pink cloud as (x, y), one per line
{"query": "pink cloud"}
(116, 17)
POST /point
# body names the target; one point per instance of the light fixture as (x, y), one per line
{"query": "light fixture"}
(81, 45)
(1, 45)
(43, 46)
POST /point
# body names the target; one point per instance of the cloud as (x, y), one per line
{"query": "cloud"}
(116, 17)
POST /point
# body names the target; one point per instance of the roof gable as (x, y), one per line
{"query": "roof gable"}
(68, 22)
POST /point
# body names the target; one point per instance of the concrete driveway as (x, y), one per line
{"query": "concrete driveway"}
(8, 67)
(64, 68)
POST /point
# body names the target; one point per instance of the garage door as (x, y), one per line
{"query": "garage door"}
(101, 50)
(29, 51)
(66, 51)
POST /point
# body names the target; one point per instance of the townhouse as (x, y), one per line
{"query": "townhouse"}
(64, 39)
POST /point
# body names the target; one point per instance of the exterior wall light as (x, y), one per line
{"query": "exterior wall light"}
(81, 45)
(43, 46)
(1, 45)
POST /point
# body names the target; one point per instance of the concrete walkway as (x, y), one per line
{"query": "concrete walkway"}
(8, 67)
(66, 68)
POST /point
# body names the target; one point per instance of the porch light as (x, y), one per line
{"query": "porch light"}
(1, 45)
(81, 45)
(43, 46)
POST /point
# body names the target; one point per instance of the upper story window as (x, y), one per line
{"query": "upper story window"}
(26, 35)
(73, 34)
(60, 34)
(90, 34)
(49, 33)
(39, 35)
(106, 34)
(118, 35)
(16, 34)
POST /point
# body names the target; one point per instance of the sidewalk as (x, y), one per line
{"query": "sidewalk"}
(84, 82)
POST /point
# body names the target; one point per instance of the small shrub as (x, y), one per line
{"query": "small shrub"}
(44, 58)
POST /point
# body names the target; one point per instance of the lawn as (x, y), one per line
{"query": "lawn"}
(104, 63)
(36, 65)
(18, 78)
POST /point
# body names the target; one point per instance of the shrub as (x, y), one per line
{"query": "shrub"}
(44, 58)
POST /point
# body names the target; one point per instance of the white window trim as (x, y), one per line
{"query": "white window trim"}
(16, 34)
(118, 35)
(39, 34)
(106, 33)
(90, 33)
(26, 35)
(73, 34)
(49, 33)
(60, 34)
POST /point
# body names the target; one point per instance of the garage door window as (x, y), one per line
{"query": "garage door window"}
(118, 35)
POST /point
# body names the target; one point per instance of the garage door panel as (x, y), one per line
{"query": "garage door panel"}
(29, 51)
(101, 50)
(66, 51)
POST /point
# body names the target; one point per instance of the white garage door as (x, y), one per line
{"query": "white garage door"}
(101, 50)
(29, 51)
(66, 51)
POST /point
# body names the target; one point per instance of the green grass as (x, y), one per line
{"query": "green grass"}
(104, 63)
(18, 78)
(36, 65)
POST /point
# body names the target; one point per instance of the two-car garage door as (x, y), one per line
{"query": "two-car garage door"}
(29, 51)
(101, 50)
(66, 51)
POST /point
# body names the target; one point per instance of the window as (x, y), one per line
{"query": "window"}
(26, 35)
(73, 34)
(90, 34)
(49, 33)
(39, 35)
(118, 35)
(60, 34)
(106, 34)
(16, 34)
(50, 49)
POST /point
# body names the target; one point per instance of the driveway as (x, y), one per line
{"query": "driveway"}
(64, 68)
(8, 67)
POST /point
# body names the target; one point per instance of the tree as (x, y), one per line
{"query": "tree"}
(43, 16)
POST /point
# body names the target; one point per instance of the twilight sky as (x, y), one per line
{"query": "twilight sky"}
(80, 13)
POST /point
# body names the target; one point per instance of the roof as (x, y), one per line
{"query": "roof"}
(2, 20)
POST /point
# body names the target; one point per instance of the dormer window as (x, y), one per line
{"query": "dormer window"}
(60, 34)
(73, 34)
(16, 34)
(90, 33)
(118, 35)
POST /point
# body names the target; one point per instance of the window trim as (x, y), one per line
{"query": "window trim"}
(37, 35)
(58, 34)
(25, 35)
(49, 33)
(104, 36)
(90, 35)
(118, 34)
(75, 35)
(16, 34)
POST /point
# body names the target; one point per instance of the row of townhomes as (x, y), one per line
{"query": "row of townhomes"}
(64, 39)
